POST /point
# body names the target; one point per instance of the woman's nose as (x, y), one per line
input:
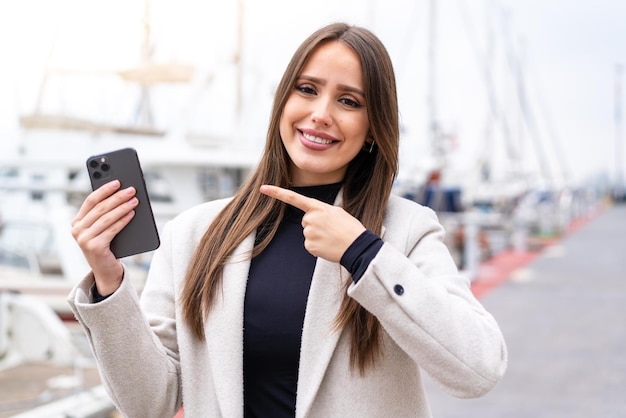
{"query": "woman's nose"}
(321, 114)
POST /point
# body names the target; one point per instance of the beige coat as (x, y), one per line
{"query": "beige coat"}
(150, 362)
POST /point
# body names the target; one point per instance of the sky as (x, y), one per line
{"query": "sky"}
(520, 85)
(575, 48)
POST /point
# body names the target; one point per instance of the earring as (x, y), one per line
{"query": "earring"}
(369, 147)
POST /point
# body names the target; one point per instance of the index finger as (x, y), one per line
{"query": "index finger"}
(290, 197)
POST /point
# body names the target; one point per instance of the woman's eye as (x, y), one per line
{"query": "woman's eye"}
(305, 89)
(350, 102)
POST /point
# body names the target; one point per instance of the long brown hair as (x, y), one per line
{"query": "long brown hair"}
(366, 189)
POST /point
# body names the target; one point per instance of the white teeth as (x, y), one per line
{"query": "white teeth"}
(316, 139)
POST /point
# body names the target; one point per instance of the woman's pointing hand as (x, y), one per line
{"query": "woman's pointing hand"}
(328, 230)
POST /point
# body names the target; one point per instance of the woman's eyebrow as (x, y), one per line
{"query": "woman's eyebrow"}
(342, 87)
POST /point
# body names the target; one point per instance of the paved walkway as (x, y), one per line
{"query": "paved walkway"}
(564, 319)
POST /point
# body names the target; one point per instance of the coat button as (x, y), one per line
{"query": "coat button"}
(398, 289)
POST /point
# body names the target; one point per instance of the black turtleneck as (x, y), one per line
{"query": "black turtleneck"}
(275, 302)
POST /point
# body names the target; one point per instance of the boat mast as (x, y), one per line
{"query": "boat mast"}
(237, 60)
(619, 192)
(144, 111)
(434, 126)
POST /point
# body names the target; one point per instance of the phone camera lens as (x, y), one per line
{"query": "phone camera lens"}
(93, 163)
(104, 167)
(97, 174)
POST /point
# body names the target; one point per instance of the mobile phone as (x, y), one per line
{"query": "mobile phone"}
(141, 234)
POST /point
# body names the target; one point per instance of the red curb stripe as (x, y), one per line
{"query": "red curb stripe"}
(496, 270)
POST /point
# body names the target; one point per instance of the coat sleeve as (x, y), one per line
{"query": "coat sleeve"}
(415, 290)
(137, 356)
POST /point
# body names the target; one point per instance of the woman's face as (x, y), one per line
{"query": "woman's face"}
(324, 123)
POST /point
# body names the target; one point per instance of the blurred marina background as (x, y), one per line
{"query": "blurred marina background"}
(512, 130)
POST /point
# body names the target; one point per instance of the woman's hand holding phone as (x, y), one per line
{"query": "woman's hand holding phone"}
(116, 219)
(104, 213)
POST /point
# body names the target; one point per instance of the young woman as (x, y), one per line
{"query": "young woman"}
(313, 292)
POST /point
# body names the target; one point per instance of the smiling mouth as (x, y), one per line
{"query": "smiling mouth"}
(317, 139)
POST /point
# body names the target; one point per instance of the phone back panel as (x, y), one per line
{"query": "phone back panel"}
(141, 234)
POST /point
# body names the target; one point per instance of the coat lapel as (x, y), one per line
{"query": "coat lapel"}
(319, 334)
(224, 332)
